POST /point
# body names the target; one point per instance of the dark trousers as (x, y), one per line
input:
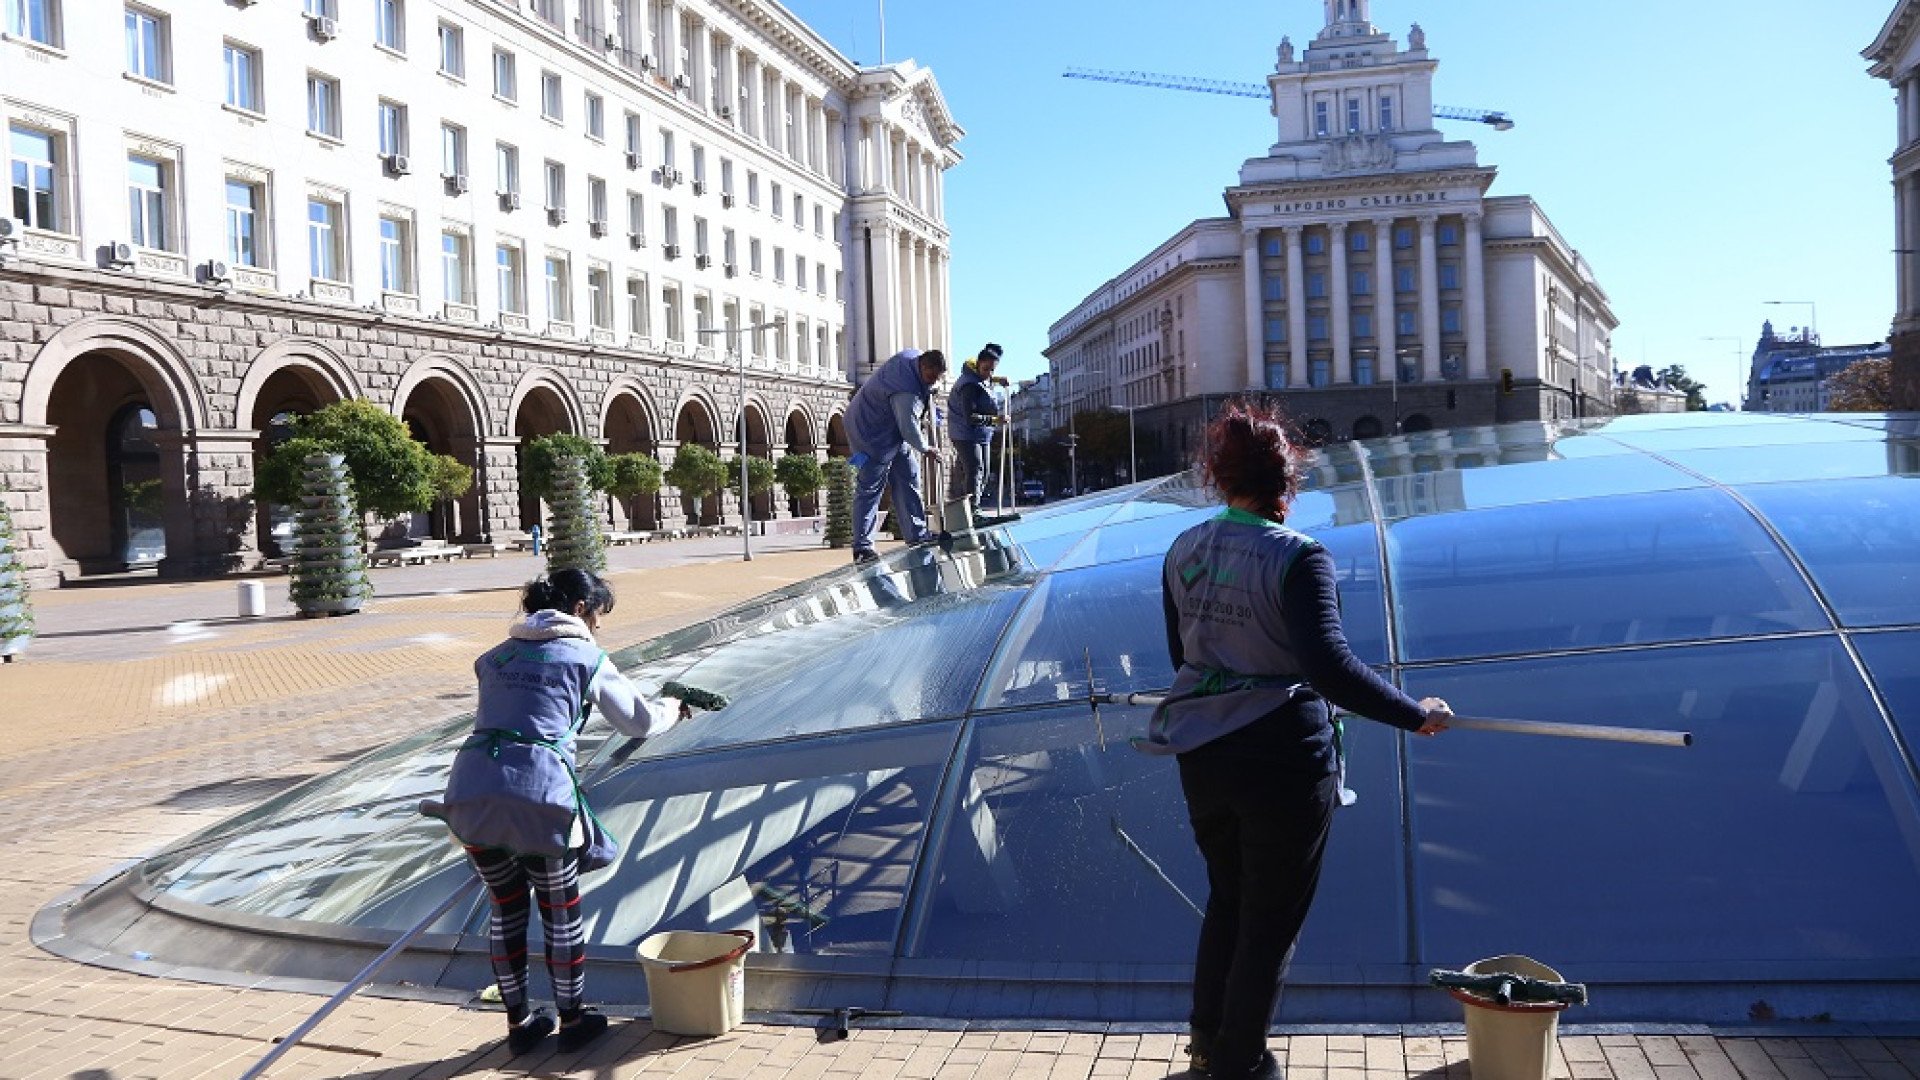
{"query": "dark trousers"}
(972, 470)
(1262, 830)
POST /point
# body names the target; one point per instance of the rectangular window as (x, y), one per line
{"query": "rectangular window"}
(456, 268)
(1363, 371)
(1403, 279)
(699, 154)
(636, 217)
(1407, 323)
(819, 220)
(596, 117)
(1403, 237)
(799, 211)
(1316, 243)
(35, 20)
(1316, 285)
(666, 149)
(1362, 282)
(1449, 275)
(700, 236)
(243, 77)
(556, 186)
(1449, 235)
(1276, 374)
(551, 105)
(323, 105)
(319, 9)
(453, 150)
(453, 51)
(726, 177)
(1276, 330)
(774, 196)
(32, 168)
(729, 248)
(1316, 328)
(390, 24)
(1362, 324)
(510, 278)
(799, 271)
(753, 255)
(780, 265)
(820, 278)
(147, 44)
(245, 204)
(639, 315)
(670, 308)
(148, 194)
(596, 200)
(325, 244)
(506, 79)
(1358, 240)
(753, 189)
(1386, 112)
(600, 297)
(1353, 116)
(1321, 120)
(559, 289)
(669, 226)
(633, 140)
(1319, 373)
(396, 254)
(1450, 320)
(393, 128)
(506, 167)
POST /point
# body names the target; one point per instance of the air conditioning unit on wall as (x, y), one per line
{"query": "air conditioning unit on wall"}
(396, 164)
(324, 28)
(216, 272)
(120, 254)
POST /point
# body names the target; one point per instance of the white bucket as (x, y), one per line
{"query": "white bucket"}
(253, 599)
(697, 981)
(1516, 1041)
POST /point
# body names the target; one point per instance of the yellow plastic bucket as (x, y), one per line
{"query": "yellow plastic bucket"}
(1516, 1041)
(697, 981)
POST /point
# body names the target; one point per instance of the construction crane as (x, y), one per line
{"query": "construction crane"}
(1499, 121)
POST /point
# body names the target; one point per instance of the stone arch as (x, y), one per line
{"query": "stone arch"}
(442, 366)
(127, 419)
(801, 438)
(628, 387)
(696, 419)
(1416, 422)
(294, 375)
(630, 424)
(546, 379)
(1368, 427)
(759, 427)
(444, 407)
(837, 442)
(325, 366)
(542, 404)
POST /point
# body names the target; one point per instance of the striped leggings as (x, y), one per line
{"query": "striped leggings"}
(556, 884)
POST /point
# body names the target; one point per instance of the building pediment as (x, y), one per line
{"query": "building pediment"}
(1895, 40)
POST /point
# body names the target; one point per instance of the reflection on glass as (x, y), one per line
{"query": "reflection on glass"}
(1673, 862)
(1753, 430)
(1533, 482)
(135, 488)
(1674, 566)
(1823, 461)
(811, 845)
(1111, 615)
(1356, 566)
(1893, 663)
(1860, 539)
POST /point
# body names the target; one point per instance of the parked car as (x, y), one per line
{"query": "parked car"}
(1033, 492)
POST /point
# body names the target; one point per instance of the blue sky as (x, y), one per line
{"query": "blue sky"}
(1704, 156)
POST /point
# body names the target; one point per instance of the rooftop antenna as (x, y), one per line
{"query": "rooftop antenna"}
(883, 33)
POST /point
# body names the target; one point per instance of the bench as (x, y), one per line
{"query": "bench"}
(423, 553)
(627, 537)
(489, 548)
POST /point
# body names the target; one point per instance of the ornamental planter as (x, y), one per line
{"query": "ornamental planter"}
(574, 540)
(839, 503)
(16, 607)
(329, 569)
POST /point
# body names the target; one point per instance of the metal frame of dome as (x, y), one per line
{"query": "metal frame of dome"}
(911, 803)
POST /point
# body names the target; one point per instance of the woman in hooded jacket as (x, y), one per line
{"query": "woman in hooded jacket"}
(513, 797)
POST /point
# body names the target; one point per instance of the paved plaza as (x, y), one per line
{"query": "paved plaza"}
(147, 709)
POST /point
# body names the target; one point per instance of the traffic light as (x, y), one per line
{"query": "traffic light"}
(1506, 380)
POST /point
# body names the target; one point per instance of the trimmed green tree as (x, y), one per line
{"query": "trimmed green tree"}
(16, 606)
(697, 471)
(634, 475)
(540, 460)
(800, 475)
(389, 472)
(760, 474)
(839, 476)
(451, 479)
(329, 566)
(574, 541)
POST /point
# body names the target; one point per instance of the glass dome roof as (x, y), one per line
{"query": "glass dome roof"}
(911, 801)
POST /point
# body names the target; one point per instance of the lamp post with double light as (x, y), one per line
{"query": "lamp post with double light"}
(746, 494)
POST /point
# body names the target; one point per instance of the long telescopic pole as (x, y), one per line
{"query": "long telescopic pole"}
(1644, 736)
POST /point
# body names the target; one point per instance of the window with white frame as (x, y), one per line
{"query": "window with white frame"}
(319, 9)
(549, 11)
(819, 220)
(506, 168)
(150, 189)
(396, 253)
(729, 248)
(634, 137)
(390, 24)
(38, 177)
(669, 226)
(821, 355)
(776, 199)
(243, 76)
(753, 189)
(726, 177)
(559, 280)
(639, 315)
(636, 217)
(779, 265)
(666, 149)
(393, 128)
(799, 211)
(552, 106)
(757, 318)
(323, 105)
(246, 215)
(703, 312)
(510, 277)
(1386, 112)
(799, 271)
(147, 44)
(34, 20)
(596, 200)
(820, 278)
(456, 267)
(1321, 119)
(453, 51)
(600, 297)
(453, 150)
(699, 165)
(700, 236)
(1353, 115)
(670, 309)
(506, 76)
(779, 336)
(753, 256)
(596, 117)
(556, 176)
(326, 237)
(803, 343)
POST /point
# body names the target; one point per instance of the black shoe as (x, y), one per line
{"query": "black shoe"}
(1199, 1062)
(526, 1034)
(1267, 1068)
(861, 558)
(585, 1028)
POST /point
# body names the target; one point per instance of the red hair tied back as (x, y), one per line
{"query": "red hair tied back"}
(1249, 456)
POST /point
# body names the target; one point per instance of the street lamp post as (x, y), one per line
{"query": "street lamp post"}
(746, 495)
(1133, 457)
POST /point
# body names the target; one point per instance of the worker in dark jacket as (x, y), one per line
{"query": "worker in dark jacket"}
(972, 414)
(1253, 625)
(884, 426)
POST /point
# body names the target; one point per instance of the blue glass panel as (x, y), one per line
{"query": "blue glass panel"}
(1826, 461)
(1788, 833)
(1672, 566)
(1146, 536)
(1860, 539)
(1111, 614)
(812, 844)
(1748, 431)
(1893, 662)
(1532, 482)
(1356, 566)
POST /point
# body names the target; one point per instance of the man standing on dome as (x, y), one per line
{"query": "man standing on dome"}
(884, 426)
(972, 414)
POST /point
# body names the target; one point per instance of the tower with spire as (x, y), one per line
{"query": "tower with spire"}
(1348, 18)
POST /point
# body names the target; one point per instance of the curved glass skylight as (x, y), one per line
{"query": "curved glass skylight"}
(912, 803)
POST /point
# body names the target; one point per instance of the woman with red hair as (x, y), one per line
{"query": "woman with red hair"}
(1253, 623)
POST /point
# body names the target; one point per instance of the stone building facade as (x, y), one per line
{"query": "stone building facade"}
(1895, 57)
(1363, 275)
(498, 220)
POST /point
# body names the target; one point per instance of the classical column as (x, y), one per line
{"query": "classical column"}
(699, 56)
(730, 82)
(942, 299)
(1296, 309)
(1429, 300)
(1477, 302)
(1342, 315)
(1256, 308)
(1385, 310)
(750, 78)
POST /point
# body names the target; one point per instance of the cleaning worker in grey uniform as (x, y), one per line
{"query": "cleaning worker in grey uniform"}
(972, 414)
(883, 424)
(513, 797)
(1253, 625)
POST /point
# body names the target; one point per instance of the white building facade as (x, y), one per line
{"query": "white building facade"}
(1362, 272)
(498, 219)
(1895, 57)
